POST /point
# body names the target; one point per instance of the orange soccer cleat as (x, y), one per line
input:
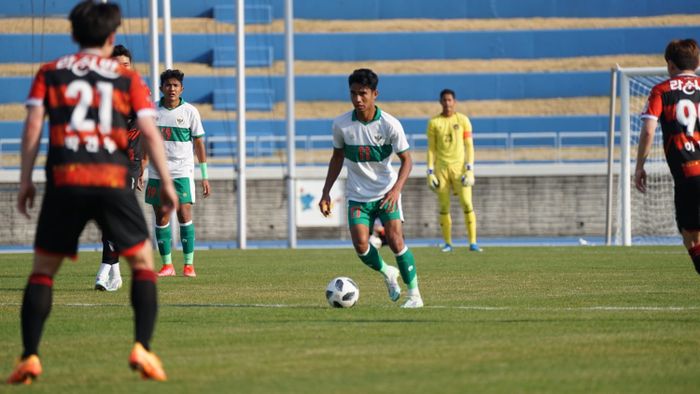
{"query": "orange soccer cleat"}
(147, 363)
(167, 270)
(26, 371)
(189, 271)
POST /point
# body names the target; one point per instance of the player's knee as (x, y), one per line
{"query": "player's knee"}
(361, 246)
(467, 208)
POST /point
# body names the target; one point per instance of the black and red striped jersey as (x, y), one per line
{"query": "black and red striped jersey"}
(676, 104)
(89, 100)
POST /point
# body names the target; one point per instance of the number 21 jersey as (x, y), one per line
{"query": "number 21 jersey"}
(88, 100)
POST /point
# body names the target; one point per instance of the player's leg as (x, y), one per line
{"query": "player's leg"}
(465, 200)
(360, 217)
(36, 306)
(186, 195)
(109, 257)
(443, 193)
(123, 222)
(61, 220)
(184, 216)
(393, 228)
(145, 305)
(185, 189)
(686, 201)
(164, 237)
(691, 240)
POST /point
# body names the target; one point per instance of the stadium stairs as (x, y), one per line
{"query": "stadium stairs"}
(515, 80)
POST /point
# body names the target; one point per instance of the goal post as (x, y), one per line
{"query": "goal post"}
(642, 218)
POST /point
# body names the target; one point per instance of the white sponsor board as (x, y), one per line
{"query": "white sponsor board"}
(308, 197)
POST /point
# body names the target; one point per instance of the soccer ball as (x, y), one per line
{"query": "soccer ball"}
(342, 292)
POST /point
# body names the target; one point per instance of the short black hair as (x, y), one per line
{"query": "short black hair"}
(447, 91)
(364, 77)
(120, 50)
(93, 22)
(683, 53)
(167, 74)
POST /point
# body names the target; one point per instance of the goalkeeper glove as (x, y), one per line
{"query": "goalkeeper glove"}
(433, 182)
(468, 176)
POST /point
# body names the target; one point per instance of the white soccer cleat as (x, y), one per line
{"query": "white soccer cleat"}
(414, 301)
(114, 284)
(446, 248)
(392, 282)
(100, 284)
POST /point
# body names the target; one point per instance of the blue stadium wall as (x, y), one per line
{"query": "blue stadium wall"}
(377, 9)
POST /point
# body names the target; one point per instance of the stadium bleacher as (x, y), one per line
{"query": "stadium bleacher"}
(213, 49)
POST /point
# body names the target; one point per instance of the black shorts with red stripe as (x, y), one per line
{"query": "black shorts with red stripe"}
(687, 202)
(65, 212)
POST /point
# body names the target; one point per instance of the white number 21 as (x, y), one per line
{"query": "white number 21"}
(82, 90)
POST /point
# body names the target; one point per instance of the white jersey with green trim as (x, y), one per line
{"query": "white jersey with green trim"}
(178, 126)
(368, 148)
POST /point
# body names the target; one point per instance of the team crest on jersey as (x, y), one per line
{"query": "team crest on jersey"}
(378, 138)
(179, 121)
(455, 126)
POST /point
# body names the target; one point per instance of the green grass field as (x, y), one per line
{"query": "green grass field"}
(582, 319)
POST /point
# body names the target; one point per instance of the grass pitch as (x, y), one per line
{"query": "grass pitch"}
(583, 319)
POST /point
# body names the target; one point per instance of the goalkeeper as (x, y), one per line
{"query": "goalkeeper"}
(451, 166)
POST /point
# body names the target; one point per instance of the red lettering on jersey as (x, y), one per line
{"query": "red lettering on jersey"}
(94, 175)
(691, 168)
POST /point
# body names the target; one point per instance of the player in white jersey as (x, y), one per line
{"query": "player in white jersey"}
(181, 126)
(363, 140)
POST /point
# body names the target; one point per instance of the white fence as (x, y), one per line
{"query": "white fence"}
(262, 146)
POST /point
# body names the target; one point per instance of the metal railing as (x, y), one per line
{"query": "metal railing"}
(503, 147)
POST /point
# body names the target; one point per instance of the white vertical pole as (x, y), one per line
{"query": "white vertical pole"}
(611, 158)
(153, 19)
(167, 35)
(240, 79)
(625, 191)
(291, 132)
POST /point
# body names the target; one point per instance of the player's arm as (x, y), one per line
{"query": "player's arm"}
(391, 198)
(646, 139)
(201, 152)
(433, 182)
(31, 140)
(144, 164)
(334, 167)
(468, 174)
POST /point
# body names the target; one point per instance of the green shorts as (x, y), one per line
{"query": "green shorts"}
(184, 187)
(366, 213)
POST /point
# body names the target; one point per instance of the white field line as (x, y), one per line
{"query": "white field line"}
(604, 308)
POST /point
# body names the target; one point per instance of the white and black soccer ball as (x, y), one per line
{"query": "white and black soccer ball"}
(342, 292)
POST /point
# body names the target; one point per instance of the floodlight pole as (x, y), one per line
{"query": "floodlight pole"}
(291, 132)
(240, 82)
(167, 36)
(153, 19)
(611, 158)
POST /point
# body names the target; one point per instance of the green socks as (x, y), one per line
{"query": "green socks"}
(372, 259)
(187, 239)
(407, 266)
(164, 238)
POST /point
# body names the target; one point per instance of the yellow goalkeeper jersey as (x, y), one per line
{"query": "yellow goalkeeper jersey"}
(448, 138)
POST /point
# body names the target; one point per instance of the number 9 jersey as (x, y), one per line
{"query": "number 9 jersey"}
(675, 103)
(88, 100)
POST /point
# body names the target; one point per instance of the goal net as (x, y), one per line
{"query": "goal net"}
(643, 218)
